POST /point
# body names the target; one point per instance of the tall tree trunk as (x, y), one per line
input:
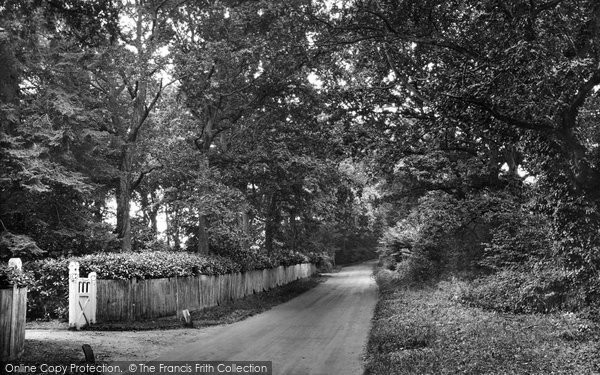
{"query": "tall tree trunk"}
(176, 238)
(583, 176)
(153, 213)
(150, 210)
(139, 115)
(245, 223)
(271, 223)
(9, 80)
(172, 215)
(123, 229)
(294, 228)
(9, 84)
(168, 226)
(145, 206)
(511, 157)
(98, 205)
(493, 168)
(202, 246)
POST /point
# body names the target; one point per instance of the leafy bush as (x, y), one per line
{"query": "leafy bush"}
(48, 295)
(227, 238)
(442, 234)
(91, 238)
(291, 257)
(15, 245)
(10, 276)
(541, 290)
(520, 239)
(527, 275)
(250, 259)
(154, 265)
(408, 272)
(144, 238)
(322, 260)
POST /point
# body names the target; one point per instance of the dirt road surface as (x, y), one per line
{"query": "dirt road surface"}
(323, 331)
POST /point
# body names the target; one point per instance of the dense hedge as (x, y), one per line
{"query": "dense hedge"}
(48, 295)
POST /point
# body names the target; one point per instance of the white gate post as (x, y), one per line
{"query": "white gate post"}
(15, 263)
(73, 293)
(92, 304)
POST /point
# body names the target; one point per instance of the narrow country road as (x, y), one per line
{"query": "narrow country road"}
(322, 331)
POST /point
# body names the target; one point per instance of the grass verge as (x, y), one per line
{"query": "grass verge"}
(426, 330)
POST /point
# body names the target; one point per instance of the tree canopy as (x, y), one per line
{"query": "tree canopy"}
(462, 135)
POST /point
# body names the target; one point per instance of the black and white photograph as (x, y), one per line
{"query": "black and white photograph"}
(299, 187)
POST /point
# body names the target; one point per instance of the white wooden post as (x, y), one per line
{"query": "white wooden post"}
(92, 304)
(12, 318)
(73, 293)
(82, 297)
(15, 263)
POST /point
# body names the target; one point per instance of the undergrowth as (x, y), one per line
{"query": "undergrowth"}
(427, 330)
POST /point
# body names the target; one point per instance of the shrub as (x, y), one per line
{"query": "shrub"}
(387, 280)
(541, 290)
(442, 234)
(252, 259)
(408, 272)
(291, 257)
(48, 295)
(10, 276)
(322, 260)
(521, 239)
(154, 265)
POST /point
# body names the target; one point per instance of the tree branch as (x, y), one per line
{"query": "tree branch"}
(570, 114)
(403, 79)
(516, 122)
(147, 111)
(132, 91)
(547, 6)
(138, 180)
(387, 23)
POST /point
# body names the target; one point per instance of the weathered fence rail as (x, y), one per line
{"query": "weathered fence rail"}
(13, 307)
(130, 300)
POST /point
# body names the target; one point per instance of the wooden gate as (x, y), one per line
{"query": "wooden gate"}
(82, 298)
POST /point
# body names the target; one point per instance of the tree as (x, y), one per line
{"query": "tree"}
(44, 186)
(236, 61)
(506, 83)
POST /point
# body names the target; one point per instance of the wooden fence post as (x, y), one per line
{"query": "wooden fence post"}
(16, 264)
(13, 307)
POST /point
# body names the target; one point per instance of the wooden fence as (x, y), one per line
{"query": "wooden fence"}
(13, 307)
(130, 300)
